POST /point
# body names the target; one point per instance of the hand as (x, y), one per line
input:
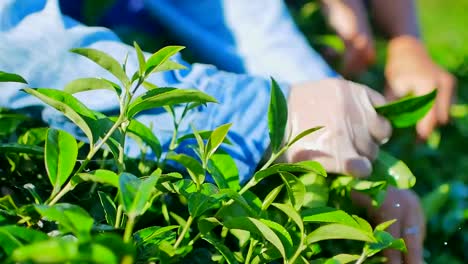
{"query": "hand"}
(410, 70)
(352, 129)
(349, 19)
(404, 206)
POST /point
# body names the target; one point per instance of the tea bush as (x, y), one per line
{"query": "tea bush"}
(86, 201)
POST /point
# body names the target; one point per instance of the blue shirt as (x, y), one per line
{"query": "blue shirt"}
(35, 39)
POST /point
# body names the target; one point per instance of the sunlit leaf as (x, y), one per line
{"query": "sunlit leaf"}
(216, 138)
(194, 168)
(141, 59)
(99, 176)
(156, 62)
(271, 196)
(88, 84)
(135, 193)
(407, 111)
(105, 61)
(11, 77)
(295, 189)
(61, 151)
(277, 116)
(394, 171)
(73, 109)
(304, 134)
(338, 231)
(223, 169)
(147, 135)
(166, 96)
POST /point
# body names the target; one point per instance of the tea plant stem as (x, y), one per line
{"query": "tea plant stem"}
(250, 251)
(184, 231)
(194, 239)
(118, 217)
(361, 258)
(298, 251)
(129, 228)
(252, 182)
(60, 194)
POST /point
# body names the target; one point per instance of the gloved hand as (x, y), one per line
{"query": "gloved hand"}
(352, 129)
(409, 69)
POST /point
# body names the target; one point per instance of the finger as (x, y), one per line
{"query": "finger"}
(425, 127)
(445, 97)
(379, 127)
(365, 145)
(353, 164)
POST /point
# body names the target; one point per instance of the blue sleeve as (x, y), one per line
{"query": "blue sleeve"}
(35, 40)
(257, 37)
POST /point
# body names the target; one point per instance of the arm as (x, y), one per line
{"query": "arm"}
(37, 38)
(254, 37)
(409, 68)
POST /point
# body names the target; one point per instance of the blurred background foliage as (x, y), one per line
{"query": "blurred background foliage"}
(441, 164)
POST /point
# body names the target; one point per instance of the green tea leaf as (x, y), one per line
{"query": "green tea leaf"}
(64, 251)
(282, 234)
(99, 176)
(204, 134)
(407, 111)
(295, 188)
(108, 205)
(61, 151)
(11, 77)
(144, 133)
(70, 217)
(198, 203)
(105, 61)
(169, 66)
(303, 134)
(277, 116)
(73, 109)
(88, 84)
(385, 225)
(302, 167)
(216, 138)
(384, 241)
(223, 169)
(157, 60)
(135, 193)
(20, 148)
(166, 96)
(292, 213)
(12, 237)
(256, 226)
(147, 234)
(316, 190)
(33, 136)
(194, 168)
(328, 215)
(338, 231)
(394, 171)
(271, 196)
(141, 59)
(224, 250)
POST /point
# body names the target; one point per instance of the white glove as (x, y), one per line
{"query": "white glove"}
(352, 129)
